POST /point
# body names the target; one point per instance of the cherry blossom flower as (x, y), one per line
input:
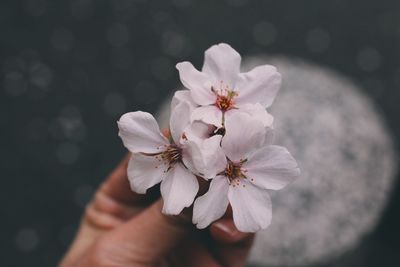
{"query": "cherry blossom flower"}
(220, 89)
(156, 159)
(253, 165)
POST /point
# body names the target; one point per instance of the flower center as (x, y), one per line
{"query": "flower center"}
(234, 172)
(172, 155)
(225, 98)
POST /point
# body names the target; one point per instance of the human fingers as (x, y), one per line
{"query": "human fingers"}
(112, 205)
(232, 246)
(147, 237)
(198, 255)
(192, 252)
(115, 202)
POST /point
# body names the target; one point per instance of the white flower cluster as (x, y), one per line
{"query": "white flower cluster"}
(220, 132)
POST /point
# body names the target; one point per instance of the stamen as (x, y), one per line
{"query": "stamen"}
(234, 172)
(225, 98)
(172, 155)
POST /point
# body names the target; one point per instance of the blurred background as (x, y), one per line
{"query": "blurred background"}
(69, 69)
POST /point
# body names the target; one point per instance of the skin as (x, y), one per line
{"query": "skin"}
(122, 228)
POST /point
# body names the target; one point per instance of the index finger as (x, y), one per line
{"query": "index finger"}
(117, 187)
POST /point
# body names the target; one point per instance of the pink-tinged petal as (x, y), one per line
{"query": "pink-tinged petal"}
(243, 135)
(212, 205)
(271, 167)
(205, 158)
(222, 62)
(260, 85)
(182, 96)
(198, 131)
(191, 156)
(179, 120)
(144, 172)
(139, 132)
(208, 114)
(251, 207)
(198, 82)
(269, 136)
(256, 111)
(213, 156)
(178, 189)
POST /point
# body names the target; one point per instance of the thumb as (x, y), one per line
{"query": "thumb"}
(151, 235)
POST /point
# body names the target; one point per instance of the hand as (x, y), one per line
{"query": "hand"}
(121, 228)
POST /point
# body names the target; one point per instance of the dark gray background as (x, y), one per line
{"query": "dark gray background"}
(69, 69)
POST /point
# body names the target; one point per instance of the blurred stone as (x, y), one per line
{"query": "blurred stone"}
(348, 167)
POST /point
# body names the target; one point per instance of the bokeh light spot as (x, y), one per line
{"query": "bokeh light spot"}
(67, 153)
(83, 194)
(114, 104)
(27, 239)
(369, 59)
(62, 39)
(14, 84)
(118, 35)
(264, 33)
(318, 40)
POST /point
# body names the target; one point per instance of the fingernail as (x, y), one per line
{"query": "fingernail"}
(225, 228)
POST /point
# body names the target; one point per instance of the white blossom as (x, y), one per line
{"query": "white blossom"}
(220, 89)
(174, 162)
(253, 166)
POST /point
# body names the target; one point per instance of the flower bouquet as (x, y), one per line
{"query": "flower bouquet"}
(221, 133)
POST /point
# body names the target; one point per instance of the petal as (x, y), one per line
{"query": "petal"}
(178, 189)
(212, 205)
(269, 136)
(208, 114)
(243, 135)
(198, 131)
(145, 172)
(179, 120)
(222, 62)
(182, 96)
(251, 207)
(139, 132)
(260, 85)
(271, 167)
(213, 156)
(205, 158)
(256, 111)
(198, 82)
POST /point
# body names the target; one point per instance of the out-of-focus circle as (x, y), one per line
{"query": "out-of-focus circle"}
(82, 194)
(67, 153)
(14, 84)
(264, 33)
(318, 40)
(114, 104)
(347, 160)
(27, 239)
(369, 59)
